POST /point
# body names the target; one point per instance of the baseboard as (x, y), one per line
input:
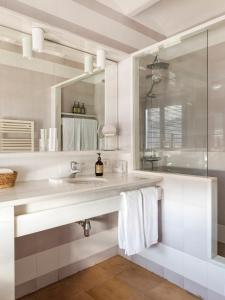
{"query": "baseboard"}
(207, 274)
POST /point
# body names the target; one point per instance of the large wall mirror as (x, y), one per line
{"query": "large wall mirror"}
(48, 102)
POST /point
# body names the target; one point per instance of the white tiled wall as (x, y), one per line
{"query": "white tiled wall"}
(37, 166)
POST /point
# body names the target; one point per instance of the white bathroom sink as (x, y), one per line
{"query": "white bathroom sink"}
(78, 180)
(94, 180)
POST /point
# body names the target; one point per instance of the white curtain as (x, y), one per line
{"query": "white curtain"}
(88, 134)
(79, 134)
(68, 134)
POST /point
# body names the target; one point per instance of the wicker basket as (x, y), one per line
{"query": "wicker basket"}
(7, 180)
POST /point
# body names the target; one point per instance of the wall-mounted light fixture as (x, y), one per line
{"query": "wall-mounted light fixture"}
(100, 59)
(88, 64)
(27, 47)
(37, 39)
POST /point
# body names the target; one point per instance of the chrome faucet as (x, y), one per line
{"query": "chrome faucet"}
(74, 168)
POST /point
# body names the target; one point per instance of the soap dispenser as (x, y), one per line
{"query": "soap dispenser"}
(99, 166)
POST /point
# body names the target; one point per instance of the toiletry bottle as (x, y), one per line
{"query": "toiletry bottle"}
(83, 110)
(78, 108)
(74, 107)
(99, 166)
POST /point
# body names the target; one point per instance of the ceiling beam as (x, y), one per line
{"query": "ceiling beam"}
(135, 7)
(112, 14)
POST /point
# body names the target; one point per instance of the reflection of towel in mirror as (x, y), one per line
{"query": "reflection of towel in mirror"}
(77, 134)
(71, 134)
(88, 134)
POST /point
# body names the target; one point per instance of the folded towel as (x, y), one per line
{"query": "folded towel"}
(130, 223)
(5, 171)
(150, 198)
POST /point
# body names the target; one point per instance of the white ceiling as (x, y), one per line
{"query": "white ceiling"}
(118, 26)
(129, 7)
(169, 17)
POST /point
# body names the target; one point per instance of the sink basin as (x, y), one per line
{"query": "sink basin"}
(85, 180)
(79, 180)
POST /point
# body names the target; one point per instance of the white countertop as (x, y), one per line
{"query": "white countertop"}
(41, 190)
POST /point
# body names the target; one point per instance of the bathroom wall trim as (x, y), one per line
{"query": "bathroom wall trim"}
(56, 258)
(209, 274)
(177, 279)
(54, 276)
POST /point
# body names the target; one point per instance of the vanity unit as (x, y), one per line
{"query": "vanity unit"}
(35, 206)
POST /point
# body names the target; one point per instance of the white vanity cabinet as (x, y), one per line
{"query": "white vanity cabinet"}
(35, 206)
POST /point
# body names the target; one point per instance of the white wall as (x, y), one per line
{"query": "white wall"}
(125, 89)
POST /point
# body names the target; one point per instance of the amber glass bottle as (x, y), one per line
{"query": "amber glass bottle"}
(99, 166)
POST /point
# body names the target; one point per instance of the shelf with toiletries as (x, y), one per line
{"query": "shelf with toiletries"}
(73, 115)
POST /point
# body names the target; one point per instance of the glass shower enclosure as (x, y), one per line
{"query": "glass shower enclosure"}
(180, 110)
(173, 107)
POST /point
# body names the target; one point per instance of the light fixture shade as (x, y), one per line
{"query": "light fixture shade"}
(100, 59)
(109, 130)
(110, 137)
(37, 39)
(27, 47)
(88, 64)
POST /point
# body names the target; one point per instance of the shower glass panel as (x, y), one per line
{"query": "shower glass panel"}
(216, 137)
(173, 108)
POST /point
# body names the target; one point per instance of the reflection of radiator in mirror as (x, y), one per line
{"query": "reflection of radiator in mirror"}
(16, 135)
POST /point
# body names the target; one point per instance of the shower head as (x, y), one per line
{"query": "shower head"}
(157, 64)
(156, 75)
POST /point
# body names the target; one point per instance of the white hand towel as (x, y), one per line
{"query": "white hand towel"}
(150, 197)
(130, 225)
(71, 128)
(89, 134)
(68, 134)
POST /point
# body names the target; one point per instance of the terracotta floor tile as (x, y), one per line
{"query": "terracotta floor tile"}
(58, 294)
(115, 265)
(169, 291)
(115, 289)
(83, 296)
(139, 278)
(87, 279)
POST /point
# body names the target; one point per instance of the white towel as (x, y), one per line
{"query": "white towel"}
(77, 134)
(5, 171)
(150, 198)
(88, 134)
(71, 134)
(130, 223)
